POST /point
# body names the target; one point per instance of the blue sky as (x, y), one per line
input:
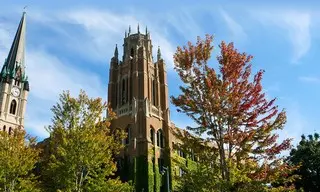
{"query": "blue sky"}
(69, 46)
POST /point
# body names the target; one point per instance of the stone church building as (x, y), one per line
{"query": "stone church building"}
(137, 92)
(14, 85)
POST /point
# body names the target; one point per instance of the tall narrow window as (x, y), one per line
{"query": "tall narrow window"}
(10, 130)
(152, 135)
(124, 92)
(4, 128)
(158, 136)
(154, 95)
(131, 53)
(160, 139)
(13, 107)
(16, 82)
(160, 164)
(128, 131)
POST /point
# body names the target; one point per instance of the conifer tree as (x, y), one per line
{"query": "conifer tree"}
(307, 156)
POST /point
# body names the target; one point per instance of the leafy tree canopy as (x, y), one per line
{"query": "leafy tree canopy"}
(82, 147)
(18, 157)
(230, 110)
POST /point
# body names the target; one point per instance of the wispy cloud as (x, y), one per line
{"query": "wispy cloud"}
(295, 23)
(309, 79)
(185, 24)
(98, 23)
(49, 76)
(235, 28)
(91, 34)
(92, 31)
(6, 29)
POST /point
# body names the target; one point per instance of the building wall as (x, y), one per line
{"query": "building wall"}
(138, 93)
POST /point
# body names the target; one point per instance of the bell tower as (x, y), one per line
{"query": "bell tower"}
(138, 93)
(14, 85)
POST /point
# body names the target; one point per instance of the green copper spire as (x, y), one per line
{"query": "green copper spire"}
(17, 51)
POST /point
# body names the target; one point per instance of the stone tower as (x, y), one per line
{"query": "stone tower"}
(14, 83)
(138, 93)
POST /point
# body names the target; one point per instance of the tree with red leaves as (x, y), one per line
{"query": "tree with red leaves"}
(232, 111)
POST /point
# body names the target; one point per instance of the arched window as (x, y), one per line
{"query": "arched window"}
(4, 128)
(152, 135)
(10, 130)
(13, 107)
(128, 131)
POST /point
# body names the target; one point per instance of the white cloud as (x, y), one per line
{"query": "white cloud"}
(309, 79)
(184, 22)
(49, 76)
(6, 38)
(89, 33)
(107, 28)
(235, 28)
(296, 24)
(93, 33)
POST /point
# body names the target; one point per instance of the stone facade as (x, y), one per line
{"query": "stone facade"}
(138, 93)
(14, 85)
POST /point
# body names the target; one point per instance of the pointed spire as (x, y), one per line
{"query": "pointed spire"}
(146, 30)
(125, 34)
(17, 51)
(138, 28)
(116, 52)
(159, 54)
(129, 30)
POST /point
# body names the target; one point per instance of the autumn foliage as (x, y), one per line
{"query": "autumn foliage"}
(231, 110)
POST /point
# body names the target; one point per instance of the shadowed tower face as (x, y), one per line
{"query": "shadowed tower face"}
(138, 93)
(14, 85)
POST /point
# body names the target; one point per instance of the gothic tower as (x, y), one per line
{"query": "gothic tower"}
(138, 93)
(14, 85)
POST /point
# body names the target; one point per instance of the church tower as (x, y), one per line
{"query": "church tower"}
(14, 85)
(138, 93)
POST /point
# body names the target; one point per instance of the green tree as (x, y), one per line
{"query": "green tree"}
(232, 112)
(81, 147)
(307, 156)
(18, 157)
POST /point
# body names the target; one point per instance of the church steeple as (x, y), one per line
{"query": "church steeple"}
(14, 85)
(14, 66)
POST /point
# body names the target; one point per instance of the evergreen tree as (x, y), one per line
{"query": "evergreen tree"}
(307, 156)
(232, 112)
(81, 147)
